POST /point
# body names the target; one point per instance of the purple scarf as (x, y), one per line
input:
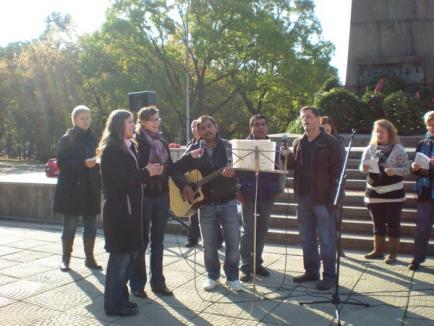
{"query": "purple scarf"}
(157, 153)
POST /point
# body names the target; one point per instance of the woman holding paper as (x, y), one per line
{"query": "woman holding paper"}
(425, 191)
(386, 162)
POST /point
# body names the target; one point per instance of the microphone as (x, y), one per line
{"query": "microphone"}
(285, 141)
(202, 146)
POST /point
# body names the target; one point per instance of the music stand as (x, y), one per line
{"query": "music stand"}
(337, 209)
(250, 156)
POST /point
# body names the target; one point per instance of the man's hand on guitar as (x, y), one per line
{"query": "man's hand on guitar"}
(228, 172)
(188, 194)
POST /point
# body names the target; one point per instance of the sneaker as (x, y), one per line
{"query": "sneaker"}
(209, 284)
(262, 271)
(305, 278)
(235, 285)
(326, 284)
(246, 277)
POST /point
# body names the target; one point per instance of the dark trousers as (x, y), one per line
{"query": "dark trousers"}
(194, 230)
(70, 226)
(247, 240)
(424, 223)
(155, 216)
(386, 216)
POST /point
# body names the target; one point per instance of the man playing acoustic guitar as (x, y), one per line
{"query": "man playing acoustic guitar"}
(219, 205)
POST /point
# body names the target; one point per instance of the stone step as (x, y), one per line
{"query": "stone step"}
(357, 226)
(352, 197)
(356, 212)
(358, 175)
(357, 184)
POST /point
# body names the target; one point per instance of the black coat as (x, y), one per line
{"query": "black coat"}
(78, 190)
(122, 211)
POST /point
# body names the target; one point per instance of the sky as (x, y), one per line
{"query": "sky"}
(25, 20)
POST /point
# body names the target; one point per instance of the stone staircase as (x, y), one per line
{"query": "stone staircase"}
(356, 222)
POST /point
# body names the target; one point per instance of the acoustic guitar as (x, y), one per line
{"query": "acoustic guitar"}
(180, 206)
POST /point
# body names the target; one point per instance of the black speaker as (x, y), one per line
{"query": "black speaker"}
(138, 100)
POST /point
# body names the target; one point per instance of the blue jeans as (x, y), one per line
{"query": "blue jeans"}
(70, 226)
(312, 220)
(119, 268)
(424, 223)
(227, 215)
(155, 216)
(263, 210)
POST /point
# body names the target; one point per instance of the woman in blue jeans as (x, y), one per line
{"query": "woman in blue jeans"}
(78, 186)
(425, 191)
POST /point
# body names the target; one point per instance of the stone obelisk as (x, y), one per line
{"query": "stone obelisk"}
(391, 38)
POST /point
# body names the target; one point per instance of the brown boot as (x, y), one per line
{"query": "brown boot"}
(378, 252)
(393, 251)
(88, 250)
(66, 254)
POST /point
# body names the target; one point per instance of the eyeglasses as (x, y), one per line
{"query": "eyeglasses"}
(154, 120)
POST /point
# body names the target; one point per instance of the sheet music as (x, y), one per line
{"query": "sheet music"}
(422, 160)
(373, 165)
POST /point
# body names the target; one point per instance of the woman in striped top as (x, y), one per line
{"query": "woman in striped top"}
(385, 194)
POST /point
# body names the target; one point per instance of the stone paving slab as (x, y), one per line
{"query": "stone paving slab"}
(34, 292)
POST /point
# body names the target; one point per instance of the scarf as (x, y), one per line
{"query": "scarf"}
(157, 152)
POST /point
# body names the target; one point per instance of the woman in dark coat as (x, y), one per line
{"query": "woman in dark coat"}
(78, 190)
(122, 180)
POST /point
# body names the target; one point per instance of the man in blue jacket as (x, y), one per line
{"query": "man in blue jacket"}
(268, 187)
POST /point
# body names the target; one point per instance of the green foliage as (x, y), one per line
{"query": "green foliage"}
(295, 127)
(330, 83)
(345, 108)
(374, 103)
(405, 111)
(391, 84)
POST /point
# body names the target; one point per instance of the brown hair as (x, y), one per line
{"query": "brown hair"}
(313, 109)
(391, 131)
(202, 118)
(327, 120)
(114, 130)
(145, 114)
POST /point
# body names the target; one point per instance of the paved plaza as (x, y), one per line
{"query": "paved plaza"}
(34, 292)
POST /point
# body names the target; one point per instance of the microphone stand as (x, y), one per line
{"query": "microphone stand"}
(337, 210)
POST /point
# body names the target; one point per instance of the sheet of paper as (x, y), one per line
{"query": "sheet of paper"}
(422, 160)
(373, 165)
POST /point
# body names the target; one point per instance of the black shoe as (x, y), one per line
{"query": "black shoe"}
(132, 305)
(413, 266)
(122, 312)
(246, 277)
(305, 278)
(139, 294)
(190, 244)
(326, 284)
(163, 291)
(262, 271)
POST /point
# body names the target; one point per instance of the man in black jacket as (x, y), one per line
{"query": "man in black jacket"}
(219, 206)
(315, 159)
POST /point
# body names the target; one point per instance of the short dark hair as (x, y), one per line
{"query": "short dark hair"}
(202, 118)
(255, 117)
(313, 109)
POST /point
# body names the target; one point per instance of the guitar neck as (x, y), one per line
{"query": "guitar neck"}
(210, 177)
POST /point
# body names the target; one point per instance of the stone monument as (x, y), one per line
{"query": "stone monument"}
(391, 38)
